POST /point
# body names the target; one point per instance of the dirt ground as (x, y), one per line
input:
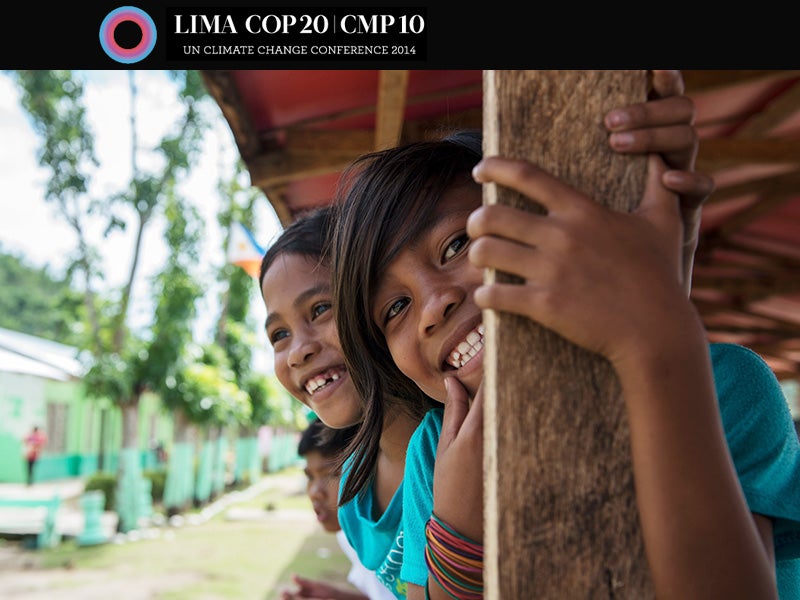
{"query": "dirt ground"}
(21, 577)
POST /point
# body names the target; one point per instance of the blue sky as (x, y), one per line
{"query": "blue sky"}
(29, 225)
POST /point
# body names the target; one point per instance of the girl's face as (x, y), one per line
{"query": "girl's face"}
(424, 301)
(301, 328)
(322, 487)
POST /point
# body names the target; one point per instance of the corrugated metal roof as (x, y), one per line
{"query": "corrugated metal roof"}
(31, 355)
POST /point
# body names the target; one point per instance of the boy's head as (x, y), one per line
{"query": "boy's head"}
(322, 446)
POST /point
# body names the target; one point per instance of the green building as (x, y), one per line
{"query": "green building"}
(40, 384)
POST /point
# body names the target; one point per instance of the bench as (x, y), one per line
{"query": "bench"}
(31, 516)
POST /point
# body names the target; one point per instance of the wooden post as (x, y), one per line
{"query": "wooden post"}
(561, 518)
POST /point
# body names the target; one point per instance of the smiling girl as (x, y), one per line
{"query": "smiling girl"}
(296, 288)
(296, 283)
(717, 482)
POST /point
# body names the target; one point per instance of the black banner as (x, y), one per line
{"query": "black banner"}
(295, 34)
(406, 34)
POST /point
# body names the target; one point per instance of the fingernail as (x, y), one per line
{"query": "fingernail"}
(672, 177)
(616, 118)
(621, 141)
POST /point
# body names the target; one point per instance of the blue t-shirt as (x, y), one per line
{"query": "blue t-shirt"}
(760, 435)
(378, 543)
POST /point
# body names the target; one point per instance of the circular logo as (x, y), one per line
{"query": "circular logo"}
(128, 34)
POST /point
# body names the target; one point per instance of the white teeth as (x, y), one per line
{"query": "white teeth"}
(467, 349)
(320, 381)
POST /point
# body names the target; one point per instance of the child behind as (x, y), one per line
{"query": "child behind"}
(322, 447)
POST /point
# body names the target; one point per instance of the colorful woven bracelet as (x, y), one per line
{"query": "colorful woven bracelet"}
(454, 561)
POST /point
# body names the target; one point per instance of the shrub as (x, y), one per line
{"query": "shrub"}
(106, 483)
(158, 479)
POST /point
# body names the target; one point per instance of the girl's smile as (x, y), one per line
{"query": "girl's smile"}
(325, 380)
(301, 328)
(467, 349)
(424, 304)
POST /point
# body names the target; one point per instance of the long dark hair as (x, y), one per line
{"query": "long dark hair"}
(384, 200)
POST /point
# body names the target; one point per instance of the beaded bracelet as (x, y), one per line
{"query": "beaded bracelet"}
(454, 561)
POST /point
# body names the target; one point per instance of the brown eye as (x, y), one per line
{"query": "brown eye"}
(277, 335)
(395, 308)
(456, 246)
(320, 308)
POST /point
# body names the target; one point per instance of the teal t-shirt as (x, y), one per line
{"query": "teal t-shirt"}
(765, 450)
(760, 434)
(377, 542)
(418, 495)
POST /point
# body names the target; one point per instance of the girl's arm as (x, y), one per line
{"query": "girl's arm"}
(612, 283)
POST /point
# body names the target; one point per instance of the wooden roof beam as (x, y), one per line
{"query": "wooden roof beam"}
(779, 259)
(750, 289)
(715, 154)
(707, 309)
(777, 112)
(221, 86)
(309, 153)
(772, 333)
(768, 202)
(785, 184)
(276, 195)
(701, 81)
(730, 256)
(392, 87)
(370, 108)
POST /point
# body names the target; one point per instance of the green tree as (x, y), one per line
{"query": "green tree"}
(236, 326)
(126, 362)
(35, 302)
